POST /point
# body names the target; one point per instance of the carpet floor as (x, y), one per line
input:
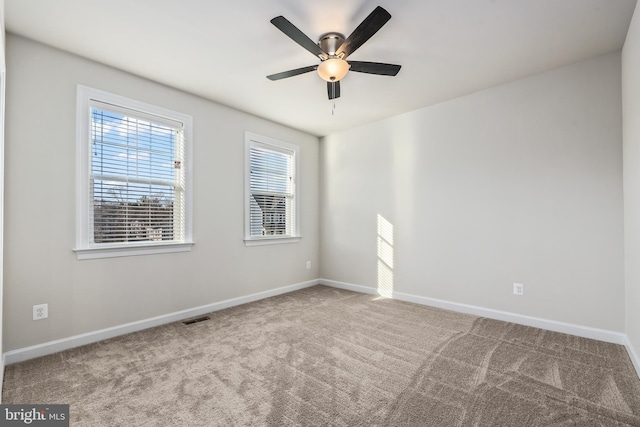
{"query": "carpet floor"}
(329, 357)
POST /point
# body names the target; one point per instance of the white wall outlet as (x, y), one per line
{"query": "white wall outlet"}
(40, 311)
(308, 265)
(518, 289)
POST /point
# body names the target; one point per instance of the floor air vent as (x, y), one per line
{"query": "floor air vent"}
(196, 320)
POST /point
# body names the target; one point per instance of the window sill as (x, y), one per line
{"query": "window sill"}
(260, 241)
(131, 250)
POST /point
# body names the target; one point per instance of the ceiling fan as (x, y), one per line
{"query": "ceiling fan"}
(333, 50)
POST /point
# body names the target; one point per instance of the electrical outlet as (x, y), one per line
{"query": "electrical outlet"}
(308, 265)
(40, 311)
(518, 289)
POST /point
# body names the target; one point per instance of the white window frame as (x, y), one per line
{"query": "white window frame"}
(84, 249)
(252, 139)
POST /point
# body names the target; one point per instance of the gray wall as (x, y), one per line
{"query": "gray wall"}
(519, 183)
(631, 133)
(2, 107)
(85, 296)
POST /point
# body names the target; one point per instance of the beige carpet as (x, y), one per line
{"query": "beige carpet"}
(328, 357)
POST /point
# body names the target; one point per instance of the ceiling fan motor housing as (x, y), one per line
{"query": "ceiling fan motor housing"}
(330, 42)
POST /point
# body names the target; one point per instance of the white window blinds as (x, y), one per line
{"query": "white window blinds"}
(136, 177)
(272, 208)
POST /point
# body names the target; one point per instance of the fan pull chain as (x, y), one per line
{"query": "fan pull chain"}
(333, 110)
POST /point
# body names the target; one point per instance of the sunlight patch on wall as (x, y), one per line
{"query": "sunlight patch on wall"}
(385, 257)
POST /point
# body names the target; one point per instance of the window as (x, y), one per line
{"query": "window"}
(271, 199)
(133, 177)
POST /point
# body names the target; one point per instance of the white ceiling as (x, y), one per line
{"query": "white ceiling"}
(223, 50)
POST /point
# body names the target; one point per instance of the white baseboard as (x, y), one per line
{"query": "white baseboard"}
(51, 347)
(633, 355)
(552, 325)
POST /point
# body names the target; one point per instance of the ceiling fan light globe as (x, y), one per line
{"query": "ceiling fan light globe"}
(333, 69)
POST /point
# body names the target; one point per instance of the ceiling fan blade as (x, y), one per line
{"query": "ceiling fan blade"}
(378, 68)
(333, 88)
(291, 73)
(365, 30)
(298, 36)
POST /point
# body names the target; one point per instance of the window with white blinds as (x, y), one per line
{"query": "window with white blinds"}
(136, 176)
(137, 179)
(272, 203)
